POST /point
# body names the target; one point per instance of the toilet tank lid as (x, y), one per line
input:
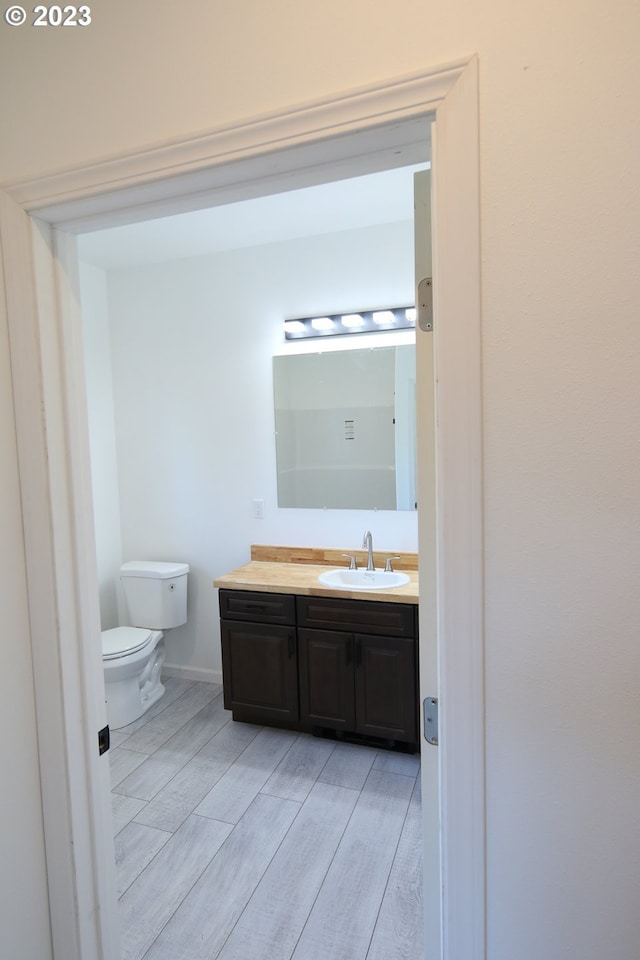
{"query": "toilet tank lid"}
(158, 570)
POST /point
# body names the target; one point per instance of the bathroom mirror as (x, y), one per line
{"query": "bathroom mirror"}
(345, 428)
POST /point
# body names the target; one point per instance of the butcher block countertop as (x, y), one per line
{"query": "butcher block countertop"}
(295, 570)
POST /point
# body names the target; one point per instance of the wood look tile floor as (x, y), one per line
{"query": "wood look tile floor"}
(240, 842)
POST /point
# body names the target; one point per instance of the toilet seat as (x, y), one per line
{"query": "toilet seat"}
(122, 641)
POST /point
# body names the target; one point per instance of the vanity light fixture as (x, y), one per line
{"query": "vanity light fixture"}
(365, 321)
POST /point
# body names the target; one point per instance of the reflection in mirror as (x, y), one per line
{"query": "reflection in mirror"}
(345, 428)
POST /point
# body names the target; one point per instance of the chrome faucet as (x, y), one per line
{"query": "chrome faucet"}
(367, 544)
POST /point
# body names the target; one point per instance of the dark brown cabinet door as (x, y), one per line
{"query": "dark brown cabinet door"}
(326, 679)
(385, 687)
(260, 672)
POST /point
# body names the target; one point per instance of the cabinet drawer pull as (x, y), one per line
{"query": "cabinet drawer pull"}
(348, 655)
(292, 645)
(358, 653)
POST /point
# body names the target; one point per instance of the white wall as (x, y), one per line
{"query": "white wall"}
(192, 343)
(102, 439)
(24, 906)
(559, 141)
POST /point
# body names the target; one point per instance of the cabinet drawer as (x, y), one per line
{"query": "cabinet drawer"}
(369, 616)
(257, 607)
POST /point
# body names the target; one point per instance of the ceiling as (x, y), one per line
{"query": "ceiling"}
(377, 198)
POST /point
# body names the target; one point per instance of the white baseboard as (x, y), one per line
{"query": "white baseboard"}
(192, 673)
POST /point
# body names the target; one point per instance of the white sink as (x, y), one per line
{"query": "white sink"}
(344, 579)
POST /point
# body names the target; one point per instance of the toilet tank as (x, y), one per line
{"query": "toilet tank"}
(155, 593)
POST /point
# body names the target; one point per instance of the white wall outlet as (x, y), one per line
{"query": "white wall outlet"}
(257, 509)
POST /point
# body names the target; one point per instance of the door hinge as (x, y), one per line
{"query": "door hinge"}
(425, 305)
(104, 740)
(430, 710)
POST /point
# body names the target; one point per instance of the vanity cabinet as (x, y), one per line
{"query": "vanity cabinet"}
(322, 664)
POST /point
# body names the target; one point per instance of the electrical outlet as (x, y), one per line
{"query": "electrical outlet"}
(257, 509)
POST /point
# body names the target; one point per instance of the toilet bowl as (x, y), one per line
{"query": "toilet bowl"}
(132, 656)
(132, 659)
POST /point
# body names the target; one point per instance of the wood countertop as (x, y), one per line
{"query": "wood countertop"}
(299, 576)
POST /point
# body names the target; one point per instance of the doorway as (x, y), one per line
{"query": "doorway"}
(451, 94)
(177, 338)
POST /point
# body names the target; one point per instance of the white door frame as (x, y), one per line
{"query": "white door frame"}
(280, 151)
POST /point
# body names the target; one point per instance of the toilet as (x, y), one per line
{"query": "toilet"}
(132, 656)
